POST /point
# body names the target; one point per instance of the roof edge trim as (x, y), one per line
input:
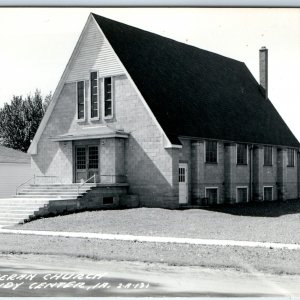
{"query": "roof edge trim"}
(173, 146)
(193, 138)
(88, 137)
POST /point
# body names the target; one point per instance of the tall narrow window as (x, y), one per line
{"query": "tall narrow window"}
(80, 100)
(241, 154)
(268, 156)
(291, 157)
(108, 97)
(94, 95)
(211, 151)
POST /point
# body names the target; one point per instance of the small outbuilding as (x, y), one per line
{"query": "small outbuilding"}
(15, 169)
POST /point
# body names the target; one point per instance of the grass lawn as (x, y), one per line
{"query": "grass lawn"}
(272, 222)
(245, 259)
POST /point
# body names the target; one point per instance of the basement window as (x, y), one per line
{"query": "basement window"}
(94, 95)
(212, 195)
(80, 100)
(211, 151)
(268, 193)
(241, 154)
(242, 194)
(291, 157)
(108, 98)
(108, 200)
(268, 161)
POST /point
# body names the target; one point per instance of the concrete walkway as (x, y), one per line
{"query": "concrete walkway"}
(153, 239)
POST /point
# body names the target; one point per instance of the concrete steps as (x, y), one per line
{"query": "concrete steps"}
(27, 202)
(17, 210)
(10, 214)
(58, 195)
(33, 199)
(8, 223)
(61, 186)
(61, 190)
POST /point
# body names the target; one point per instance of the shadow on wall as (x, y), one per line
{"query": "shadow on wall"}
(146, 179)
(260, 209)
(61, 121)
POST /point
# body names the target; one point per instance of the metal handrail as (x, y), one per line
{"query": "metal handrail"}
(22, 184)
(82, 184)
(34, 180)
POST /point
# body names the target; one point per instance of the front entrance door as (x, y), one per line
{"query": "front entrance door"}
(183, 183)
(87, 162)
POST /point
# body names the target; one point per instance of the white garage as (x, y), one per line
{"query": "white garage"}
(15, 169)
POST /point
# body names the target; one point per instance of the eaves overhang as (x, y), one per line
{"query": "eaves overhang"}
(71, 137)
(89, 133)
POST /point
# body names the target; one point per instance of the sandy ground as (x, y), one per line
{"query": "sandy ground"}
(265, 222)
(115, 278)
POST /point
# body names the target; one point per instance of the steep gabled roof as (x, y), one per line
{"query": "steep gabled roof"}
(8, 155)
(196, 93)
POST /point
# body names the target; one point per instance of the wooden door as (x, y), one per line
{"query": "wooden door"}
(86, 162)
(93, 162)
(183, 183)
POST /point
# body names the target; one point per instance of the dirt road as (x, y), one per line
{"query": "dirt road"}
(48, 275)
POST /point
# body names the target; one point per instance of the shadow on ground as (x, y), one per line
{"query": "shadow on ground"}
(259, 209)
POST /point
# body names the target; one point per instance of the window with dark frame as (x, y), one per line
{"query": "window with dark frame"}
(94, 95)
(93, 157)
(268, 193)
(212, 195)
(80, 100)
(241, 153)
(242, 194)
(211, 151)
(108, 97)
(291, 157)
(81, 158)
(268, 156)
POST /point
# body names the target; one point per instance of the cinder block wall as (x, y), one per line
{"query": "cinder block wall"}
(203, 175)
(55, 158)
(270, 173)
(234, 175)
(291, 182)
(151, 170)
(214, 174)
(227, 175)
(107, 159)
(185, 156)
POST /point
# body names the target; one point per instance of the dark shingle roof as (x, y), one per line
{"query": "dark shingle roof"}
(8, 155)
(196, 93)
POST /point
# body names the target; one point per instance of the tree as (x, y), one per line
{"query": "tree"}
(47, 101)
(20, 120)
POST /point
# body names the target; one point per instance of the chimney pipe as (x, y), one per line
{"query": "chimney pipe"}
(263, 70)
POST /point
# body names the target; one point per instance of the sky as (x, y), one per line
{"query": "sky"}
(36, 44)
